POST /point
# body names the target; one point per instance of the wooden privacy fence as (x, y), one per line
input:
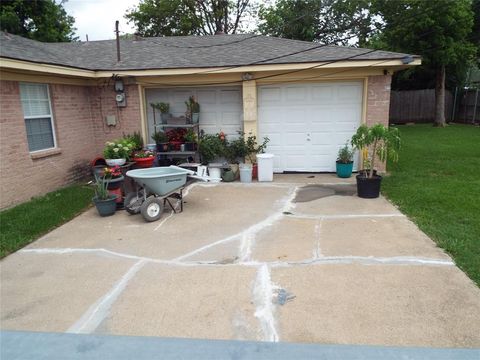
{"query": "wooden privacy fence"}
(417, 106)
(468, 107)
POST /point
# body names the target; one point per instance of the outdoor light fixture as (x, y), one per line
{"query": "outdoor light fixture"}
(407, 59)
(247, 76)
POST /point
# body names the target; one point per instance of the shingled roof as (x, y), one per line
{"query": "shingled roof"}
(181, 52)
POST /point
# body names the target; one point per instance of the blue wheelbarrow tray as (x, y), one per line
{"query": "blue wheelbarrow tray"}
(160, 181)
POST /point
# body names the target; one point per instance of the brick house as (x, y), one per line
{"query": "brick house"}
(55, 99)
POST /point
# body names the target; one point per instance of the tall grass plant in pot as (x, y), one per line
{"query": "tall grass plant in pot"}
(104, 201)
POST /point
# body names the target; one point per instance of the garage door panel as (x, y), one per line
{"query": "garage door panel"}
(231, 97)
(310, 122)
(296, 94)
(231, 118)
(322, 93)
(270, 95)
(221, 108)
(350, 93)
(205, 97)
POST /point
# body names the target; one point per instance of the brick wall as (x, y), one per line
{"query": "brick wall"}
(103, 103)
(378, 103)
(79, 113)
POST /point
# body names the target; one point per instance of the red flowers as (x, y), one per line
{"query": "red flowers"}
(176, 135)
(221, 136)
(112, 172)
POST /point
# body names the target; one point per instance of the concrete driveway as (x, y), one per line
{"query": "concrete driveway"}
(284, 261)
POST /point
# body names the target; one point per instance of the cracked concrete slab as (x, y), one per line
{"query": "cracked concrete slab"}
(345, 205)
(379, 304)
(50, 292)
(384, 237)
(288, 239)
(197, 302)
(205, 219)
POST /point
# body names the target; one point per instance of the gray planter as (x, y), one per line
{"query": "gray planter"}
(106, 207)
(195, 118)
(165, 117)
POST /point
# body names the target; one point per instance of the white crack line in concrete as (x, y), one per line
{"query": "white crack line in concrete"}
(263, 292)
(185, 193)
(366, 260)
(346, 216)
(317, 252)
(249, 232)
(324, 260)
(94, 316)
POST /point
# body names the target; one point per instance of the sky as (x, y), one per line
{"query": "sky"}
(97, 17)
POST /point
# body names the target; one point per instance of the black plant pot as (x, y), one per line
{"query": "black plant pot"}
(368, 188)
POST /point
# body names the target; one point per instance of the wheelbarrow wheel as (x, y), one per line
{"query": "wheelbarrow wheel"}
(133, 201)
(152, 209)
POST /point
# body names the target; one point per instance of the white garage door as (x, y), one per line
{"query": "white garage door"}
(308, 123)
(221, 108)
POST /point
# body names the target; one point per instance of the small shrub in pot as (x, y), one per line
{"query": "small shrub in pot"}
(345, 161)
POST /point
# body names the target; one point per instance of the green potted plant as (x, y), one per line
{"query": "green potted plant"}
(164, 109)
(104, 201)
(117, 152)
(190, 139)
(135, 139)
(375, 142)
(236, 151)
(144, 158)
(345, 161)
(193, 110)
(161, 139)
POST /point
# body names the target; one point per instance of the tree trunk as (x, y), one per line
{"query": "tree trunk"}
(440, 97)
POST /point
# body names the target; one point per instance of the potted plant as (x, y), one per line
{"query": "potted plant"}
(161, 139)
(211, 147)
(193, 110)
(382, 143)
(176, 137)
(135, 139)
(345, 161)
(235, 151)
(190, 140)
(104, 201)
(164, 109)
(113, 177)
(144, 158)
(252, 149)
(117, 152)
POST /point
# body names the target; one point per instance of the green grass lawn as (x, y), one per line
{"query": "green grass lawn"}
(436, 183)
(26, 222)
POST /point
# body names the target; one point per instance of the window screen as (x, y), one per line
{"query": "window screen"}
(38, 117)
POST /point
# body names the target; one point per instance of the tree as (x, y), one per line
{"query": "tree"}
(325, 21)
(438, 30)
(188, 17)
(42, 20)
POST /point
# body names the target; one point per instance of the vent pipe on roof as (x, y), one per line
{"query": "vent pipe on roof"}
(118, 40)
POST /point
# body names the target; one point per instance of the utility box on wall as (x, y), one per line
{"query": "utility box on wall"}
(111, 120)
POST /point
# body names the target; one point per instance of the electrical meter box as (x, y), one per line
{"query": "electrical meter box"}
(111, 120)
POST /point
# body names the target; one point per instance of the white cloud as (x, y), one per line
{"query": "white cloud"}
(97, 17)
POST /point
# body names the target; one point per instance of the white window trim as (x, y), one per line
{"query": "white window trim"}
(52, 120)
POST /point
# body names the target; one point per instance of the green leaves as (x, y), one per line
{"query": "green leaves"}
(43, 20)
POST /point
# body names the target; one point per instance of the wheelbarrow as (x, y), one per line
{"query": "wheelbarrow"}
(155, 187)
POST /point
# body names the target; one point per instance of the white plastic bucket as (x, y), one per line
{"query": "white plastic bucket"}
(245, 173)
(215, 172)
(265, 167)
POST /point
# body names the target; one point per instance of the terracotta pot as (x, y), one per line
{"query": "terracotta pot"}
(144, 162)
(254, 171)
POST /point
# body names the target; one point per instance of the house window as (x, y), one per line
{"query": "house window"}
(37, 112)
